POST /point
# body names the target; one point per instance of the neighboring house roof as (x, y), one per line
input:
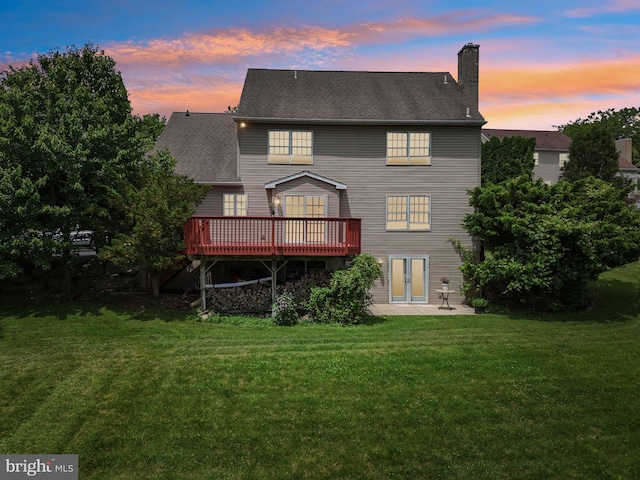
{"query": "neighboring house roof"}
(545, 140)
(625, 164)
(354, 97)
(275, 183)
(200, 141)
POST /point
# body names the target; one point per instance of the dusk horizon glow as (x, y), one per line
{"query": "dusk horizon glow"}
(541, 65)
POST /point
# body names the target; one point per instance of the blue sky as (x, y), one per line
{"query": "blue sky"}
(541, 63)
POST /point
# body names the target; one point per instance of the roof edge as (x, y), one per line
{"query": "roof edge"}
(305, 173)
(222, 184)
(329, 121)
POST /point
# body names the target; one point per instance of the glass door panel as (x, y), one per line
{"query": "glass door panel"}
(418, 274)
(398, 272)
(294, 207)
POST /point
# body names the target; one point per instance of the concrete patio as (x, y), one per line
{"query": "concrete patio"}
(419, 309)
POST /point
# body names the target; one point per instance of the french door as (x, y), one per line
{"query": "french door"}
(307, 206)
(408, 278)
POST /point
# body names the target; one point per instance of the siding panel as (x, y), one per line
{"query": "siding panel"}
(356, 156)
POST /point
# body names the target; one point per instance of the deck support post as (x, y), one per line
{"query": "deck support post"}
(274, 275)
(203, 286)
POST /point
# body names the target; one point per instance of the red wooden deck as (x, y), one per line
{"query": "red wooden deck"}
(266, 236)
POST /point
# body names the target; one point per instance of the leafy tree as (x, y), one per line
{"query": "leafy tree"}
(21, 232)
(150, 126)
(156, 217)
(593, 153)
(624, 123)
(546, 242)
(507, 158)
(66, 126)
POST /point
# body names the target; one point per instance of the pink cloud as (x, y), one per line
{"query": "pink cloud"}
(545, 115)
(166, 99)
(613, 6)
(603, 77)
(454, 22)
(226, 46)
(540, 96)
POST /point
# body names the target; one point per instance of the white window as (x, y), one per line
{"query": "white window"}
(536, 158)
(408, 212)
(564, 158)
(234, 205)
(408, 148)
(290, 146)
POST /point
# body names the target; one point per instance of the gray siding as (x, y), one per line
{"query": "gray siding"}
(212, 204)
(356, 156)
(548, 167)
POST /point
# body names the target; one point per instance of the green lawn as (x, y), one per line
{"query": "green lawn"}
(485, 396)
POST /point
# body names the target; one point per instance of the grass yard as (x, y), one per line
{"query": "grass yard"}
(151, 396)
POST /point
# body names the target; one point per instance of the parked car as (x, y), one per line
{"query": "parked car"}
(79, 237)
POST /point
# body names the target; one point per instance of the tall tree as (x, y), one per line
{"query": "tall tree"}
(593, 153)
(157, 213)
(507, 158)
(66, 123)
(623, 123)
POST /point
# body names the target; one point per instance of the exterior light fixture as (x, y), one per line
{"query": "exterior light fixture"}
(275, 203)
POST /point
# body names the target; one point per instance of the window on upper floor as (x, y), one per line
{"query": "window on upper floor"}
(234, 205)
(408, 212)
(408, 148)
(564, 158)
(290, 146)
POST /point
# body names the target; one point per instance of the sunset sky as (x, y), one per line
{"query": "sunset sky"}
(542, 63)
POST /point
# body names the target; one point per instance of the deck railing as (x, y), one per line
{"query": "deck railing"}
(282, 236)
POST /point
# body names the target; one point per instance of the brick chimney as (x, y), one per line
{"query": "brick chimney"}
(468, 68)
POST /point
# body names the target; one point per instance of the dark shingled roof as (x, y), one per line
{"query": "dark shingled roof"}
(545, 140)
(204, 146)
(327, 96)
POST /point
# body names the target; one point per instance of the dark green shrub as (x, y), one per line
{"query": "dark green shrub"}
(545, 243)
(347, 297)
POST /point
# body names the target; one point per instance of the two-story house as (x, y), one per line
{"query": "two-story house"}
(550, 153)
(318, 166)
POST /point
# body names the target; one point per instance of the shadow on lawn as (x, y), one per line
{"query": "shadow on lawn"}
(373, 320)
(142, 307)
(613, 301)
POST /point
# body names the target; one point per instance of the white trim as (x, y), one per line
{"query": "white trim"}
(235, 204)
(290, 147)
(408, 213)
(273, 184)
(407, 293)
